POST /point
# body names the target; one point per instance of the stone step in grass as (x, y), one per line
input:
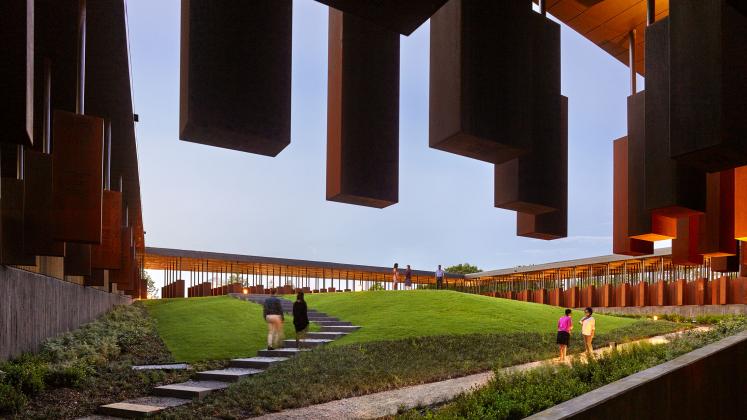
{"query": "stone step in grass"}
(232, 374)
(308, 342)
(190, 389)
(283, 352)
(339, 328)
(169, 366)
(329, 335)
(141, 407)
(257, 362)
(322, 318)
(333, 323)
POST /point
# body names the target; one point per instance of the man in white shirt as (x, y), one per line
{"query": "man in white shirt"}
(588, 327)
(439, 277)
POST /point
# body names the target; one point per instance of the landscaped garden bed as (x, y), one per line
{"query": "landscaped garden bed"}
(518, 395)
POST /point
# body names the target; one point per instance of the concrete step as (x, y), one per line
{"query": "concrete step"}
(339, 328)
(231, 374)
(283, 352)
(329, 335)
(189, 389)
(322, 318)
(141, 407)
(333, 323)
(309, 342)
(257, 362)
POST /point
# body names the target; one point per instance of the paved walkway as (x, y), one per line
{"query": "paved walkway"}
(388, 403)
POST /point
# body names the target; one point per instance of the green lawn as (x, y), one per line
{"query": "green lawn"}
(390, 315)
(212, 327)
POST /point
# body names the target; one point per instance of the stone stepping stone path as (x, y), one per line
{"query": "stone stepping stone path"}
(204, 383)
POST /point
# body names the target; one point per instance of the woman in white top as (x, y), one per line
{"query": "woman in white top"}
(395, 275)
(588, 327)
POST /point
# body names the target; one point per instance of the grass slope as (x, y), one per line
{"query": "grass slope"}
(212, 327)
(388, 315)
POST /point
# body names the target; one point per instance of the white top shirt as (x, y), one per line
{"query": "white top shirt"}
(439, 273)
(588, 325)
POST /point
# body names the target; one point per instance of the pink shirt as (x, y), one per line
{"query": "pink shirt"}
(564, 324)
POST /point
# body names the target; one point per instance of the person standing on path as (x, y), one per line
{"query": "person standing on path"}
(395, 275)
(408, 278)
(300, 318)
(588, 327)
(273, 313)
(565, 326)
(439, 278)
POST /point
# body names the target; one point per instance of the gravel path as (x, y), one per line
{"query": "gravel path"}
(388, 403)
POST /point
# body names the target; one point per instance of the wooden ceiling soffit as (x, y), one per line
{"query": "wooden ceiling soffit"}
(235, 86)
(480, 104)
(362, 112)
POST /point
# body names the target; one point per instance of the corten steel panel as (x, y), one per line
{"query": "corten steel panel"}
(641, 294)
(77, 177)
(77, 259)
(709, 89)
(235, 86)
(37, 207)
(97, 278)
(729, 263)
(621, 242)
(108, 254)
(11, 224)
(123, 276)
(554, 224)
(17, 71)
(671, 188)
(536, 182)
(480, 79)
(362, 112)
(717, 232)
(740, 203)
(659, 294)
(395, 15)
(685, 245)
(642, 223)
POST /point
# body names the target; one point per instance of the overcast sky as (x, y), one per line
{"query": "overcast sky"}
(205, 198)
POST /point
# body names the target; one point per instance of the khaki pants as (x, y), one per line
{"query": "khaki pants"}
(274, 330)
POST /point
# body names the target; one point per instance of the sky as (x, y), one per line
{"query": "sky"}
(205, 198)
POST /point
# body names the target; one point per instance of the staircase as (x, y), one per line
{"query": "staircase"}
(204, 383)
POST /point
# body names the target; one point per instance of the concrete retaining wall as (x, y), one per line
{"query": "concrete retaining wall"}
(34, 307)
(690, 311)
(708, 383)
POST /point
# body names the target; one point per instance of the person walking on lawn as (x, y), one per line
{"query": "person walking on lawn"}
(439, 278)
(395, 275)
(565, 326)
(300, 318)
(273, 313)
(408, 278)
(588, 327)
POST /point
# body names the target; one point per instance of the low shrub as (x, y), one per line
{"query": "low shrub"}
(11, 400)
(26, 374)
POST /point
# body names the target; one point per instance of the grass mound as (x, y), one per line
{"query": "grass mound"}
(208, 328)
(387, 315)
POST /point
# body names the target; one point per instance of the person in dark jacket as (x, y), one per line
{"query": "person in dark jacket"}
(273, 313)
(300, 318)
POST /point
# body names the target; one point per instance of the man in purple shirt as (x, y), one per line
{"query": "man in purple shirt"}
(565, 325)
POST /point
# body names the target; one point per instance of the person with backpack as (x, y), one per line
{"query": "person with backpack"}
(273, 314)
(300, 318)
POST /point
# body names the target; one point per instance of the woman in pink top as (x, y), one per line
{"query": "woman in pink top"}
(565, 325)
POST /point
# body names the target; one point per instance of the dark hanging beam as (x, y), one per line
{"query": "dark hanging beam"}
(672, 189)
(622, 244)
(537, 182)
(235, 88)
(362, 112)
(17, 71)
(480, 89)
(709, 92)
(396, 15)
